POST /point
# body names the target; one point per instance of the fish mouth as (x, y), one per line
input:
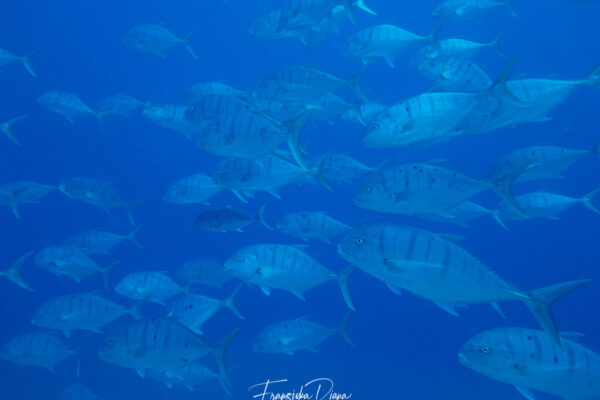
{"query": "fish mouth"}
(464, 360)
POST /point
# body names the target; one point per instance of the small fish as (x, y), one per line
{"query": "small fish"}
(462, 48)
(85, 311)
(6, 127)
(170, 116)
(307, 225)
(9, 58)
(204, 272)
(198, 91)
(531, 360)
(193, 310)
(14, 272)
(100, 242)
(68, 105)
(97, 193)
(195, 189)
(227, 220)
(290, 336)
(190, 376)
(453, 74)
(77, 391)
(36, 349)
(139, 285)
(300, 13)
(156, 39)
(283, 267)
(461, 214)
(469, 9)
(118, 104)
(23, 192)
(160, 344)
(341, 167)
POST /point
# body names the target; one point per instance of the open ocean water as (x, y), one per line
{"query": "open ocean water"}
(405, 347)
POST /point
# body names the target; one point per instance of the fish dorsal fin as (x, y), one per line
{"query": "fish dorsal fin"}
(266, 290)
(394, 289)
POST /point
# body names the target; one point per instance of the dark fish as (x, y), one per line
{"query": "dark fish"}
(227, 220)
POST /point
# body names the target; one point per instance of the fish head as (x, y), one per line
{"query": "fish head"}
(359, 247)
(48, 99)
(265, 26)
(291, 222)
(232, 170)
(489, 354)
(154, 112)
(243, 264)
(116, 349)
(352, 46)
(371, 195)
(380, 132)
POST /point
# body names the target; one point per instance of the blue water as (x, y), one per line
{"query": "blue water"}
(405, 346)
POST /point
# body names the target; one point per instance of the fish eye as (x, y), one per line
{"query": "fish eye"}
(240, 259)
(484, 349)
(110, 343)
(366, 189)
(359, 241)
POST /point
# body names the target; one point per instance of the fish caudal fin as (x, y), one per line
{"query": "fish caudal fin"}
(13, 273)
(186, 43)
(342, 279)
(587, 200)
(353, 82)
(342, 329)
(540, 302)
(129, 208)
(219, 353)
(136, 310)
(261, 218)
(349, 8)
(131, 237)
(511, 7)
(25, 60)
(499, 86)
(317, 171)
(106, 273)
(498, 217)
(495, 44)
(229, 302)
(7, 129)
(294, 127)
(503, 186)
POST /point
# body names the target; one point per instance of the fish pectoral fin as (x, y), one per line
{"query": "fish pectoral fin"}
(298, 295)
(312, 350)
(266, 290)
(141, 373)
(496, 307)
(527, 393)
(67, 334)
(291, 353)
(394, 288)
(394, 265)
(449, 308)
(460, 11)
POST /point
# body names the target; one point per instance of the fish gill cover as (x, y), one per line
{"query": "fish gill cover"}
(200, 197)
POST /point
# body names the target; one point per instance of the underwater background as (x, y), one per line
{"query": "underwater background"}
(405, 346)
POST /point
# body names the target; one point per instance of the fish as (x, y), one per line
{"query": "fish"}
(156, 39)
(77, 391)
(139, 285)
(36, 349)
(100, 242)
(118, 104)
(97, 193)
(6, 127)
(453, 74)
(170, 116)
(275, 266)
(68, 105)
(7, 58)
(200, 90)
(368, 112)
(327, 108)
(193, 310)
(382, 41)
(160, 344)
(194, 189)
(428, 189)
(461, 214)
(243, 176)
(204, 272)
(543, 205)
(287, 337)
(82, 311)
(530, 360)
(299, 13)
(13, 273)
(468, 9)
(69, 261)
(437, 269)
(23, 192)
(307, 225)
(227, 219)
(462, 48)
(190, 376)
(342, 167)
(546, 161)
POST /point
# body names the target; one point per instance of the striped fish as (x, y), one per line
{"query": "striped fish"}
(170, 116)
(206, 272)
(469, 9)
(200, 90)
(227, 219)
(7, 58)
(100, 242)
(77, 391)
(191, 190)
(438, 269)
(297, 334)
(160, 344)
(23, 192)
(36, 349)
(531, 360)
(156, 39)
(453, 74)
(307, 225)
(190, 376)
(300, 13)
(139, 285)
(69, 261)
(84, 311)
(68, 105)
(274, 266)
(341, 167)
(118, 104)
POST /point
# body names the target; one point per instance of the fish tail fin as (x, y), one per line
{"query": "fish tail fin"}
(342, 279)
(342, 329)
(594, 77)
(136, 310)
(229, 302)
(495, 44)
(361, 5)
(131, 237)
(25, 60)
(540, 302)
(353, 82)
(295, 126)
(186, 42)
(14, 272)
(7, 128)
(433, 37)
(357, 108)
(349, 9)
(106, 273)
(499, 86)
(498, 218)
(129, 208)
(510, 4)
(503, 186)
(219, 353)
(317, 171)
(261, 217)
(587, 200)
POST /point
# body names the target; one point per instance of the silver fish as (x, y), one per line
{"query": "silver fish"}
(192, 189)
(14, 272)
(156, 39)
(6, 127)
(341, 167)
(198, 91)
(205, 272)
(139, 285)
(68, 105)
(7, 58)
(77, 391)
(307, 225)
(469, 9)
(453, 74)
(69, 261)
(170, 116)
(227, 220)
(118, 104)
(300, 13)
(100, 242)
(23, 192)
(36, 349)
(190, 376)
